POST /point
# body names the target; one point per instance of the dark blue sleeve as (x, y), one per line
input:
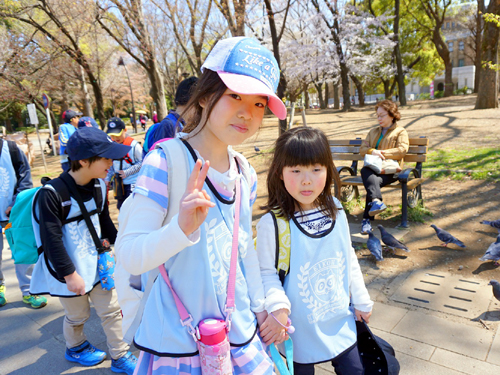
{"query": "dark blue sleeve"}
(24, 182)
(164, 130)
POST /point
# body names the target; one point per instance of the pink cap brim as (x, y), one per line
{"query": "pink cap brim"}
(247, 85)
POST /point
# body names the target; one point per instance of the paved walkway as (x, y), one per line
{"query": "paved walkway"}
(426, 341)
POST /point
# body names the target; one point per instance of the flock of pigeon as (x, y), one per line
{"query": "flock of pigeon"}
(493, 252)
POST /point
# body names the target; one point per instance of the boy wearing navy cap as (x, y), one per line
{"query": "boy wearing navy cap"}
(125, 169)
(67, 266)
(70, 125)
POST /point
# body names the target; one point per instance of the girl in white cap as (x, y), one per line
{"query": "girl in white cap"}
(239, 80)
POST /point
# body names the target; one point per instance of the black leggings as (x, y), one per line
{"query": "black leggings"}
(346, 363)
(373, 182)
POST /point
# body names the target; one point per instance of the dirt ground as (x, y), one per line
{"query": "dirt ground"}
(457, 206)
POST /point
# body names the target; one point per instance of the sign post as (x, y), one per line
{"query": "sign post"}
(432, 90)
(34, 121)
(46, 102)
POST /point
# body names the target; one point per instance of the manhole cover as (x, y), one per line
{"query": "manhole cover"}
(450, 294)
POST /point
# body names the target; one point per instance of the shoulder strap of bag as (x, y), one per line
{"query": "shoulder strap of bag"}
(278, 359)
(282, 230)
(71, 185)
(174, 150)
(186, 318)
(60, 188)
(128, 141)
(14, 155)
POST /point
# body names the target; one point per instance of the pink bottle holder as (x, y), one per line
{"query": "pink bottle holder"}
(214, 348)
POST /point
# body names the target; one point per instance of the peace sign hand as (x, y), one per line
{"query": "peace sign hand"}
(195, 202)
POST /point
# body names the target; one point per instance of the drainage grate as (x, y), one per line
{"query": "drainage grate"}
(446, 293)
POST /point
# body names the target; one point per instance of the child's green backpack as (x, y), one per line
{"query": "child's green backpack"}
(19, 230)
(282, 228)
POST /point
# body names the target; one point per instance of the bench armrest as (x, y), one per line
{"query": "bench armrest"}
(405, 174)
(348, 169)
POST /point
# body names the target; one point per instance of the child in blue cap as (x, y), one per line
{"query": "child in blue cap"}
(67, 265)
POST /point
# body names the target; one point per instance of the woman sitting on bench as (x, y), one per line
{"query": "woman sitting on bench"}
(387, 141)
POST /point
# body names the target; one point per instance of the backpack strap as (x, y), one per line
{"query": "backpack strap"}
(128, 141)
(61, 188)
(174, 151)
(282, 230)
(14, 156)
(129, 158)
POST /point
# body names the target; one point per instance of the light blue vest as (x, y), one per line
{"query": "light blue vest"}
(318, 289)
(8, 181)
(125, 165)
(199, 276)
(79, 245)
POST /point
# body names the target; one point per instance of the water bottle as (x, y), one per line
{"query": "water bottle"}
(214, 348)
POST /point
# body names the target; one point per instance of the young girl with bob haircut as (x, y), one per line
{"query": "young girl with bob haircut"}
(227, 106)
(324, 275)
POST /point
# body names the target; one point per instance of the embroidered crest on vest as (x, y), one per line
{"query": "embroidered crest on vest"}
(321, 287)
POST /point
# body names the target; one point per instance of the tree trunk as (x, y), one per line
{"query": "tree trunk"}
(336, 99)
(344, 76)
(479, 37)
(99, 101)
(399, 62)
(276, 52)
(327, 95)
(387, 88)
(157, 91)
(8, 126)
(361, 91)
(444, 53)
(488, 95)
(86, 97)
(306, 95)
(319, 88)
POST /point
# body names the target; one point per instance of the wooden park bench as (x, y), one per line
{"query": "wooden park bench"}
(409, 179)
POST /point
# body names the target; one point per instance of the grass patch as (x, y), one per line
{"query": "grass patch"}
(475, 164)
(387, 213)
(352, 205)
(419, 214)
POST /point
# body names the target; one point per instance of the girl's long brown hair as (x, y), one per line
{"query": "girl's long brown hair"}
(301, 146)
(210, 89)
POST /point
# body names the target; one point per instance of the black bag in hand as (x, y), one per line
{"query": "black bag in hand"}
(118, 188)
(377, 355)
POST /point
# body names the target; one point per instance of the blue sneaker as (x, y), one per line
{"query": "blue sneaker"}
(366, 227)
(85, 354)
(377, 207)
(125, 364)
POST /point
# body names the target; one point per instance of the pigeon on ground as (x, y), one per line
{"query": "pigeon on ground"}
(256, 149)
(446, 237)
(374, 246)
(390, 241)
(496, 288)
(493, 252)
(495, 224)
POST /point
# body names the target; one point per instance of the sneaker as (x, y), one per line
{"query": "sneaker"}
(377, 207)
(3, 300)
(35, 301)
(125, 364)
(85, 354)
(366, 227)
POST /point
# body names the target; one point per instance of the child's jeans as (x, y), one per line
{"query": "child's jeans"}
(77, 310)
(346, 363)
